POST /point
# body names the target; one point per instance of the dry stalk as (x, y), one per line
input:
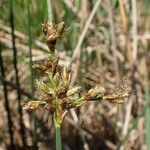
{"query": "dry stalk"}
(134, 44)
(77, 50)
(113, 39)
(125, 27)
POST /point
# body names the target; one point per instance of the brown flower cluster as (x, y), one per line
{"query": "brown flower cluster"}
(57, 93)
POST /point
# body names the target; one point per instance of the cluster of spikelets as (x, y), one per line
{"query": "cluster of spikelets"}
(57, 93)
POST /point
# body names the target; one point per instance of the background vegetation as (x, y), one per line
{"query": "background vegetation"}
(106, 42)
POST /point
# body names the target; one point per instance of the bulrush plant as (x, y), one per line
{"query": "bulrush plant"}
(57, 94)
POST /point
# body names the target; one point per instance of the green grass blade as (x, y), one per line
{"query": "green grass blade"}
(34, 119)
(57, 135)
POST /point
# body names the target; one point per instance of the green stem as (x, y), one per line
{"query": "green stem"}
(50, 11)
(57, 134)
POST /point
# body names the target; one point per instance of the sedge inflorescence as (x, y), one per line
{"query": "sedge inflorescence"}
(57, 93)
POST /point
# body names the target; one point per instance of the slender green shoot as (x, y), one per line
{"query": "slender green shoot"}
(57, 134)
(34, 134)
(50, 11)
(56, 124)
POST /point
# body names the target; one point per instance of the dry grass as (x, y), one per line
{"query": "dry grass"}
(111, 49)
